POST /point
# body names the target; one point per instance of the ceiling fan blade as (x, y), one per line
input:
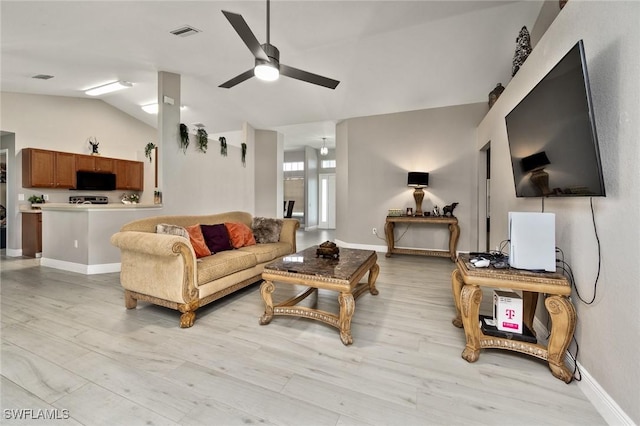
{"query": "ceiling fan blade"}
(308, 77)
(237, 79)
(240, 25)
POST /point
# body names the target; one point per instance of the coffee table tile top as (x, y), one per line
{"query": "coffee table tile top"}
(305, 262)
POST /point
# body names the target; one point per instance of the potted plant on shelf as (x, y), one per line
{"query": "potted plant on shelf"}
(36, 199)
(202, 138)
(148, 149)
(223, 146)
(184, 137)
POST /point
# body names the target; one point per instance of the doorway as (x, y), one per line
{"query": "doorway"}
(327, 201)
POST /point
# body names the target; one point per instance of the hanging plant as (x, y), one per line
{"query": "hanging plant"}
(148, 149)
(244, 154)
(184, 137)
(202, 138)
(223, 146)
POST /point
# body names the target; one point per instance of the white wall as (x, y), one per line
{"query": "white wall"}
(269, 177)
(608, 331)
(374, 155)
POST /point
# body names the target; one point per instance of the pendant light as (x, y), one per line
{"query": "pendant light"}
(324, 150)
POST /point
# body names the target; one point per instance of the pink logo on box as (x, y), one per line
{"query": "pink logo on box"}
(510, 313)
(510, 325)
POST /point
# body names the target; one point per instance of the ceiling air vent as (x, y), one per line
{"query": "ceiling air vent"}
(185, 31)
(42, 76)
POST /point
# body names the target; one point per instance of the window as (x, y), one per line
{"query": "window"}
(293, 167)
(328, 164)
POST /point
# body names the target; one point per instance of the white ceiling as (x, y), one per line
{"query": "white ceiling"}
(390, 56)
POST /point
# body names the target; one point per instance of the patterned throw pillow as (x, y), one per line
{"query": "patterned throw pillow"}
(266, 230)
(165, 228)
(217, 237)
(240, 234)
(197, 241)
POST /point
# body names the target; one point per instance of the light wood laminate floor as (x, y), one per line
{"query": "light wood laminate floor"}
(68, 343)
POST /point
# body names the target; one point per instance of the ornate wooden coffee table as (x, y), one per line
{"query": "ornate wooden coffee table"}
(304, 268)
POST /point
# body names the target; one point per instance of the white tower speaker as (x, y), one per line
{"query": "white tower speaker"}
(532, 238)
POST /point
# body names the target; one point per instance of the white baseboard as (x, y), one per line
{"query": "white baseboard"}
(601, 400)
(13, 252)
(382, 249)
(79, 267)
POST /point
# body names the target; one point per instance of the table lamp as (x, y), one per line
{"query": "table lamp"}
(418, 180)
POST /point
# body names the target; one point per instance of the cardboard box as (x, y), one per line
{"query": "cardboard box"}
(507, 311)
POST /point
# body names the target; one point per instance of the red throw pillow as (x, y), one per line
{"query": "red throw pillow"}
(216, 237)
(197, 241)
(240, 234)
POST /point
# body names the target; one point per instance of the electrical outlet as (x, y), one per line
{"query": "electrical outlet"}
(75, 243)
(46, 197)
(374, 231)
(20, 197)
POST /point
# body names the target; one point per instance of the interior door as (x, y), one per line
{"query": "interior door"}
(327, 201)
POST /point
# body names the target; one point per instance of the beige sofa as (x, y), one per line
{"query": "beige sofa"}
(163, 269)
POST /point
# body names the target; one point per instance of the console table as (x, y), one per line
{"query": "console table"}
(451, 222)
(466, 281)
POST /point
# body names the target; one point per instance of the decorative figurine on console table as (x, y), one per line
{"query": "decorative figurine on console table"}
(447, 211)
(436, 211)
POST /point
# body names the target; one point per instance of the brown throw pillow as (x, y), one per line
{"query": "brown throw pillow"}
(217, 237)
(197, 241)
(266, 230)
(240, 234)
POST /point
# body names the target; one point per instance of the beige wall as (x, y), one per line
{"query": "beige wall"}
(373, 157)
(269, 177)
(608, 330)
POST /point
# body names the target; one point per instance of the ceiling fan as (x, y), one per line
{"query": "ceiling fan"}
(267, 65)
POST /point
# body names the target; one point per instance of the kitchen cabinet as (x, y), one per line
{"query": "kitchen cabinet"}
(48, 169)
(93, 163)
(129, 175)
(32, 234)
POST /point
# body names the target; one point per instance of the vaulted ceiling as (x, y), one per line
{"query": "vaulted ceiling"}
(389, 56)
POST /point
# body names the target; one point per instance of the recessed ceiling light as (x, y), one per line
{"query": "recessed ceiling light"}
(42, 76)
(108, 88)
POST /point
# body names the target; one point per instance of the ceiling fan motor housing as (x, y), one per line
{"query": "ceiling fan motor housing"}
(273, 53)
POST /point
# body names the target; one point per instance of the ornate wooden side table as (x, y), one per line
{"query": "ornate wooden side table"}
(466, 281)
(451, 222)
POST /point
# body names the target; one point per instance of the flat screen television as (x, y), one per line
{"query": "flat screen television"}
(552, 134)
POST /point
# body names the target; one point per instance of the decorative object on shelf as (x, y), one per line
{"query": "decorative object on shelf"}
(202, 139)
(243, 148)
(447, 211)
(395, 212)
(418, 180)
(495, 94)
(157, 197)
(132, 198)
(328, 250)
(409, 211)
(184, 137)
(36, 199)
(435, 212)
(523, 49)
(223, 146)
(324, 150)
(93, 141)
(535, 165)
(148, 149)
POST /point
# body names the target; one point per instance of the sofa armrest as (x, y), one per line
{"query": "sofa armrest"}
(288, 232)
(160, 265)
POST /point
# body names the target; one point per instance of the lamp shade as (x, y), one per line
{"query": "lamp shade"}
(534, 161)
(418, 179)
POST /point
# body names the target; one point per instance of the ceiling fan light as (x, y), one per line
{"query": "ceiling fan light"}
(266, 72)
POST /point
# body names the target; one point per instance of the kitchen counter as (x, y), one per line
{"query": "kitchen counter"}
(75, 237)
(96, 207)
